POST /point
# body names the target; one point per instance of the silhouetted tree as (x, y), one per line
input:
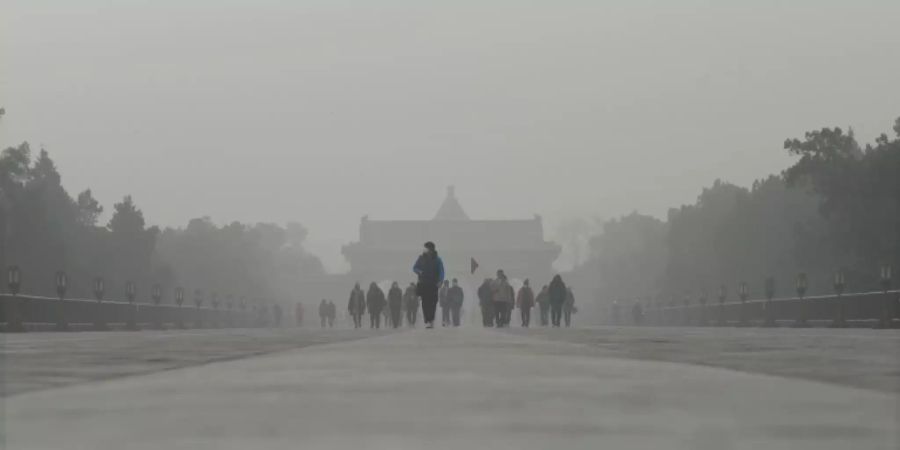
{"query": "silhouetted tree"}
(838, 206)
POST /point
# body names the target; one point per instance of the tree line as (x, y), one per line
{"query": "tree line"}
(836, 208)
(44, 229)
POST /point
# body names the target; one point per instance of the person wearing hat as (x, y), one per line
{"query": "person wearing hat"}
(430, 269)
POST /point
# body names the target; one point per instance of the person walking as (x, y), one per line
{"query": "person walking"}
(557, 293)
(357, 305)
(375, 303)
(323, 312)
(569, 307)
(637, 313)
(525, 301)
(444, 304)
(503, 297)
(486, 302)
(411, 303)
(455, 297)
(332, 313)
(395, 305)
(430, 269)
(543, 302)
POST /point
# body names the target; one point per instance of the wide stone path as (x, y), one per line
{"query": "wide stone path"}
(450, 389)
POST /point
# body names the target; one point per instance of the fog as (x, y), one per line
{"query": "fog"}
(320, 112)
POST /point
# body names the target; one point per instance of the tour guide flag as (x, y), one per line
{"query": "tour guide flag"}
(474, 265)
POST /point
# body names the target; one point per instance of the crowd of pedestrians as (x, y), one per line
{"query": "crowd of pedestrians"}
(497, 299)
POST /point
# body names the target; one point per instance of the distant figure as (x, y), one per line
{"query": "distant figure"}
(375, 303)
(323, 312)
(525, 301)
(543, 301)
(430, 269)
(276, 310)
(455, 297)
(298, 314)
(357, 305)
(411, 304)
(332, 313)
(558, 294)
(395, 305)
(444, 304)
(511, 305)
(569, 307)
(502, 296)
(637, 313)
(486, 302)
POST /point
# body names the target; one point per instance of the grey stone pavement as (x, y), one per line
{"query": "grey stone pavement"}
(451, 388)
(859, 357)
(33, 361)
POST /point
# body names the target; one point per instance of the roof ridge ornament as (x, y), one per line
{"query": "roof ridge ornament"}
(451, 209)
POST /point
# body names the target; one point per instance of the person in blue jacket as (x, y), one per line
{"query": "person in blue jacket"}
(430, 269)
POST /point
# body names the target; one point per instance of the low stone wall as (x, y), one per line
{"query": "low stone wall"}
(25, 312)
(878, 308)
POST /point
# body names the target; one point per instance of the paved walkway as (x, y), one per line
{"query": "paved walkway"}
(451, 389)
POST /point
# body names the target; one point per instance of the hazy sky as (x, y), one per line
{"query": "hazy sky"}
(323, 111)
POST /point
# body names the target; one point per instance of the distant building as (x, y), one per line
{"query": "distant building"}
(386, 248)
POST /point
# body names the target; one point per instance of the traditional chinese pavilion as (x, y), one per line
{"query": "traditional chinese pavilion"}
(387, 249)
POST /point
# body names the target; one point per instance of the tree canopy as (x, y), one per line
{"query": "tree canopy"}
(44, 230)
(836, 208)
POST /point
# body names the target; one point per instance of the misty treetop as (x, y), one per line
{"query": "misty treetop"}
(837, 207)
(45, 230)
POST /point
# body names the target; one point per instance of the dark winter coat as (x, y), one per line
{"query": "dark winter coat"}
(395, 299)
(455, 297)
(485, 296)
(375, 299)
(430, 269)
(410, 299)
(357, 304)
(525, 299)
(558, 292)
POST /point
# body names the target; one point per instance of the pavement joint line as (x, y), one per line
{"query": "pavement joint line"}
(211, 361)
